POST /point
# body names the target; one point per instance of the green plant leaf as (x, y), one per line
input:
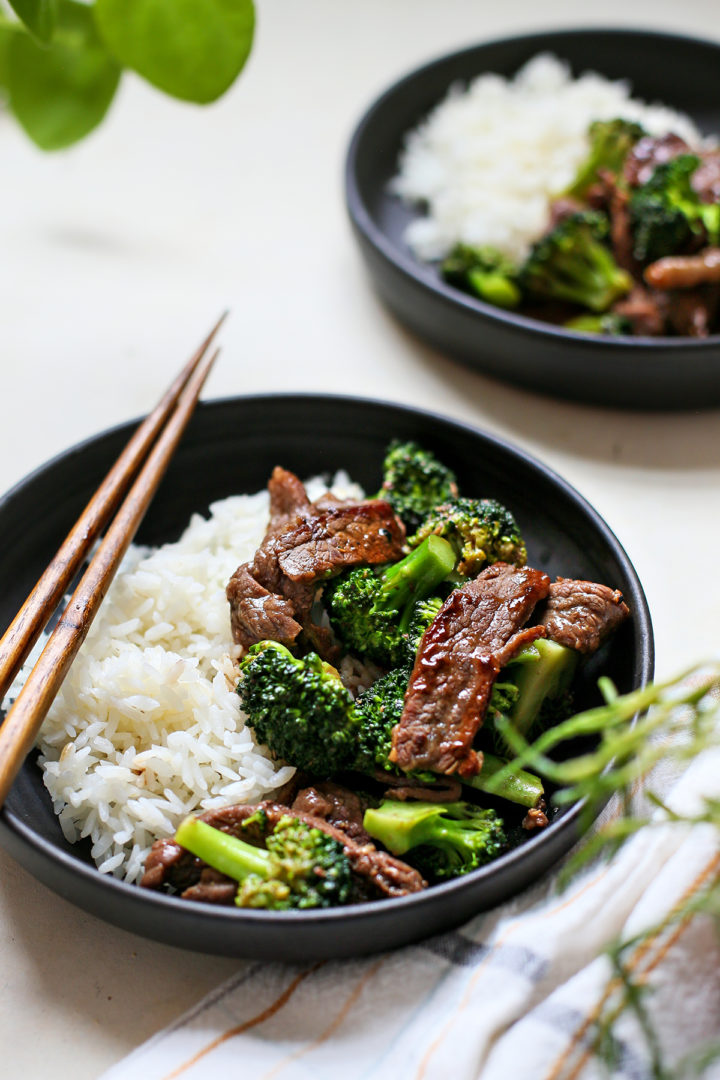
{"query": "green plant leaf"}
(192, 49)
(5, 37)
(61, 92)
(39, 16)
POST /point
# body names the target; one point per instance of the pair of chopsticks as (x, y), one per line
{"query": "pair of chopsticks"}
(146, 457)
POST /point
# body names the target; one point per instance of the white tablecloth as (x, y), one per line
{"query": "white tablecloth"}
(116, 257)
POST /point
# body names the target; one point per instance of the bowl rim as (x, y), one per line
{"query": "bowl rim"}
(107, 885)
(422, 274)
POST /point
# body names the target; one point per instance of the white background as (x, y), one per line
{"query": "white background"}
(115, 258)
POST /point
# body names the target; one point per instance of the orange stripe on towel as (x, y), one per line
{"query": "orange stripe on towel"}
(254, 1021)
(342, 1015)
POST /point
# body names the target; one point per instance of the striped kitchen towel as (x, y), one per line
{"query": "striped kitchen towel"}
(519, 993)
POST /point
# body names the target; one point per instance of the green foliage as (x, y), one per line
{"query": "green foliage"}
(444, 840)
(192, 49)
(61, 60)
(6, 35)
(39, 16)
(683, 722)
(414, 482)
(370, 610)
(610, 143)
(625, 751)
(483, 272)
(60, 92)
(572, 264)
(666, 212)
(481, 531)
(299, 708)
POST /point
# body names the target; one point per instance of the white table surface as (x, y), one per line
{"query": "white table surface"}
(115, 258)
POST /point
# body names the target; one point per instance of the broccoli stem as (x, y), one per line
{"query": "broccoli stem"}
(415, 576)
(448, 839)
(591, 277)
(522, 788)
(400, 826)
(494, 287)
(223, 852)
(547, 677)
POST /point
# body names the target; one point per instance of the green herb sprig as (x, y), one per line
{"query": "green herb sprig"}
(61, 61)
(683, 722)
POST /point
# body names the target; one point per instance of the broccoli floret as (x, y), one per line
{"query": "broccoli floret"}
(666, 212)
(483, 272)
(300, 710)
(481, 531)
(296, 703)
(572, 264)
(534, 691)
(378, 710)
(301, 867)
(609, 324)
(414, 481)
(443, 840)
(370, 610)
(610, 143)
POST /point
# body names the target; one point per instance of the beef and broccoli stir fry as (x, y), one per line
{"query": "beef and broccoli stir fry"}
(632, 246)
(387, 645)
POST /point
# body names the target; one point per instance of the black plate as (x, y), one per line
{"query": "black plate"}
(228, 449)
(645, 373)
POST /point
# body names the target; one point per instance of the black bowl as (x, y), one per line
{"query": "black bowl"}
(228, 449)
(644, 373)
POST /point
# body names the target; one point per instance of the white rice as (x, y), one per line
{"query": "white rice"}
(147, 727)
(488, 160)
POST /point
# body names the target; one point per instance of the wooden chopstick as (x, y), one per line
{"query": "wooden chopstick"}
(23, 720)
(31, 619)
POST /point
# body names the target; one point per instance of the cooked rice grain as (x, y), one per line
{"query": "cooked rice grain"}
(147, 727)
(487, 161)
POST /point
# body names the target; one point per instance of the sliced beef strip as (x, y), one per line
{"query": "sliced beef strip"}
(562, 207)
(692, 312)
(272, 596)
(581, 614)
(288, 498)
(648, 153)
(621, 239)
(212, 887)
(444, 789)
(706, 178)
(476, 632)
(339, 537)
(337, 805)
(645, 310)
(536, 818)
(685, 271)
(259, 615)
(168, 863)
